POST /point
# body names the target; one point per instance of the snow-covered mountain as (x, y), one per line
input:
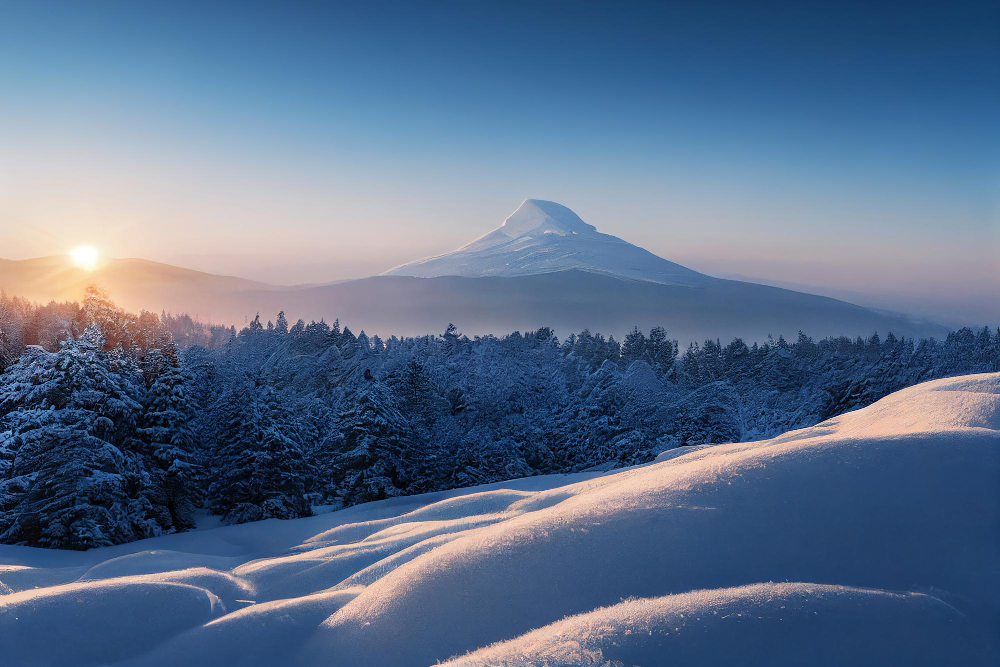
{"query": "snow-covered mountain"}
(543, 266)
(545, 237)
(869, 539)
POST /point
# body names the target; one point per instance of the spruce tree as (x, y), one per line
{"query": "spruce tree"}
(70, 482)
(370, 463)
(662, 352)
(259, 468)
(168, 442)
(281, 325)
(634, 347)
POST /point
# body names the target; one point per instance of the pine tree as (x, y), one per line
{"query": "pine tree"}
(11, 331)
(364, 344)
(71, 484)
(167, 440)
(369, 463)
(259, 467)
(422, 406)
(634, 347)
(662, 352)
(599, 419)
(73, 487)
(418, 398)
(100, 311)
(708, 415)
(281, 326)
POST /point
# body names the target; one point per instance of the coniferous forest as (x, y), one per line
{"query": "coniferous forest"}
(116, 427)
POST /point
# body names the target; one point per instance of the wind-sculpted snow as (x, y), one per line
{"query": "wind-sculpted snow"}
(871, 538)
(755, 623)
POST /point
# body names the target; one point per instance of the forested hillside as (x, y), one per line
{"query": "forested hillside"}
(116, 427)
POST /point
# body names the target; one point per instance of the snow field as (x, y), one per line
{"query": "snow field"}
(872, 538)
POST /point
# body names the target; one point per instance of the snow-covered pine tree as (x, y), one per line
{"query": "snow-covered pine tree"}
(708, 415)
(259, 467)
(100, 311)
(12, 325)
(419, 399)
(370, 463)
(69, 484)
(598, 420)
(281, 325)
(634, 347)
(74, 489)
(662, 351)
(167, 442)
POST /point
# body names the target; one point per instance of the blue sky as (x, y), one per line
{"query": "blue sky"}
(843, 145)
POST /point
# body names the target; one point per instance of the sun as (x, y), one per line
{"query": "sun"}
(85, 257)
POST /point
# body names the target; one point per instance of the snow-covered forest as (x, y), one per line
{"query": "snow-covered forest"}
(116, 427)
(869, 539)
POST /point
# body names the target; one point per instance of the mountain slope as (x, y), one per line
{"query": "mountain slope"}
(545, 237)
(868, 539)
(570, 301)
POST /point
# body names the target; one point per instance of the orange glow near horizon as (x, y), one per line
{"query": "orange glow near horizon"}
(85, 257)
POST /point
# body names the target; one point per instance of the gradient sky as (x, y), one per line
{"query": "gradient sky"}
(845, 146)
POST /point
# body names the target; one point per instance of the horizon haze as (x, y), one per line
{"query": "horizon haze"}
(544, 240)
(543, 267)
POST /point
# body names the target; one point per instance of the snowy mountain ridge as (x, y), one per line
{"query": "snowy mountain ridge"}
(543, 267)
(537, 216)
(544, 237)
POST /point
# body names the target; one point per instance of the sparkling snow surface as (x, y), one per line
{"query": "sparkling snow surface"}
(873, 538)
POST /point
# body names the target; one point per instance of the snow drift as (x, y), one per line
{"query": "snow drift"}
(871, 538)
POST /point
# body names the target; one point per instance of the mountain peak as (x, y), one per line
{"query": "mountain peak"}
(541, 216)
(545, 237)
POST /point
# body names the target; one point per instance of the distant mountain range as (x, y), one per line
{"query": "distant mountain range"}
(543, 266)
(135, 284)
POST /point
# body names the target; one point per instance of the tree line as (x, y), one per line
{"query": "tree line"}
(116, 427)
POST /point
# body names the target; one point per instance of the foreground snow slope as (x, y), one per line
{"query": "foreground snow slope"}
(871, 538)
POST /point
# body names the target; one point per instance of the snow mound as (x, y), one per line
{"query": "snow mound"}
(88, 623)
(826, 507)
(949, 404)
(880, 527)
(827, 625)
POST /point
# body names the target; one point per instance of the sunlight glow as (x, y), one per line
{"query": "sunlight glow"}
(85, 257)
